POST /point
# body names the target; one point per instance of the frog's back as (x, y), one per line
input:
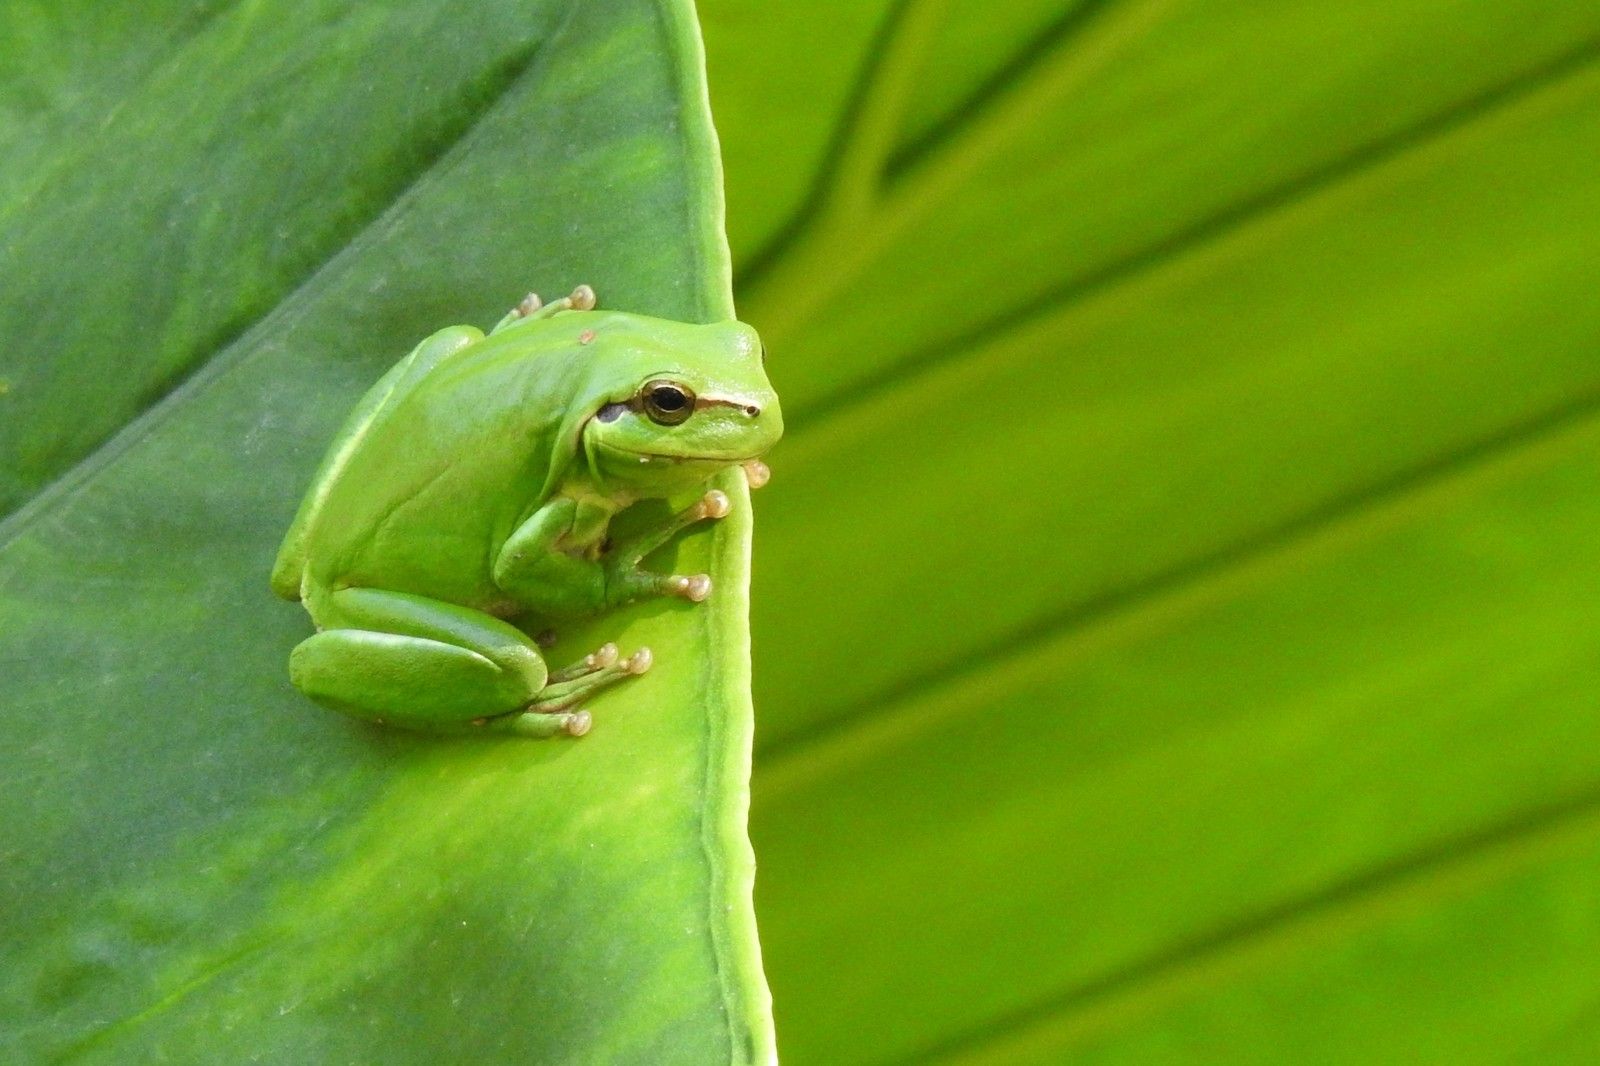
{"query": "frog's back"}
(445, 469)
(289, 569)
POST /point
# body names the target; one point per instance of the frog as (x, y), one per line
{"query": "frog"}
(470, 494)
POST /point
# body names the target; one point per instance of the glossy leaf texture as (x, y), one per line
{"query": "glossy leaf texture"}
(1178, 612)
(218, 225)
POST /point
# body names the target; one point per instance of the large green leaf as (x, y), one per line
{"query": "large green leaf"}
(218, 225)
(1178, 616)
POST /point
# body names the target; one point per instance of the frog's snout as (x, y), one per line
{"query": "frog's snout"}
(753, 419)
(765, 420)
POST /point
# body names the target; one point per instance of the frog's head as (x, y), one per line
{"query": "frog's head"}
(680, 402)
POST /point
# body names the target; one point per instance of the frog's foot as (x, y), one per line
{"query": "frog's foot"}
(714, 504)
(642, 584)
(531, 307)
(528, 724)
(626, 581)
(756, 473)
(581, 682)
(624, 584)
(554, 711)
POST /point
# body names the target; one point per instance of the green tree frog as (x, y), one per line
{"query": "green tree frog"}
(472, 490)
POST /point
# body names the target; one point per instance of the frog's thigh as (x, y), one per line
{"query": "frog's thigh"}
(406, 681)
(412, 661)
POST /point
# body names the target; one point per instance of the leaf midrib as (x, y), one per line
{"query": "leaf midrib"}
(863, 142)
(238, 348)
(1258, 209)
(843, 236)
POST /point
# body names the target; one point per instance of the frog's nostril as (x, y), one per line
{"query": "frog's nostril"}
(751, 409)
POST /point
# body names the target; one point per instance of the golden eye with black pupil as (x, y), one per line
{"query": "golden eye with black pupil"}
(666, 402)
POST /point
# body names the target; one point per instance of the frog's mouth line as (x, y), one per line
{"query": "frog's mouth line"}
(629, 453)
(687, 458)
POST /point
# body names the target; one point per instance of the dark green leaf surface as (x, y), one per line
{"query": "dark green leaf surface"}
(1176, 613)
(163, 201)
(198, 865)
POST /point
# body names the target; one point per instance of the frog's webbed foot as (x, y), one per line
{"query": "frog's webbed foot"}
(554, 710)
(531, 307)
(626, 581)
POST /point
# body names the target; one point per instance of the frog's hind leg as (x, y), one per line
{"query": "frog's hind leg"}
(409, 661)
(411, 682)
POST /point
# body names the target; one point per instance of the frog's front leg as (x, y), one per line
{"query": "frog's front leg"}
(623, 558)
(547, 563)
(405, 660)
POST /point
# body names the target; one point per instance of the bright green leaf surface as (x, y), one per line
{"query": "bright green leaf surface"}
(1176, 611)
(198, 865)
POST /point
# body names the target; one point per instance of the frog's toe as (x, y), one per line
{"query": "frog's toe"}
(601, 658)
(757, 473)
(714, 504)
(639, 661)
(527, 305)
(692, 587)
(541, 724)
(583, 298)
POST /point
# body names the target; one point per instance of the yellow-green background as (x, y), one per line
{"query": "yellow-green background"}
(1177, 603)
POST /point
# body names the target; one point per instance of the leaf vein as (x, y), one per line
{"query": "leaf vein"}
(1368, 897)
(893, 715)
(238, 349)
(1207, 232)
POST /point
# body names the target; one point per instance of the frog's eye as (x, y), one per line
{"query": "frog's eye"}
(666, 402)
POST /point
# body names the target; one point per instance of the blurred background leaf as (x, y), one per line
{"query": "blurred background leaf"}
(1177, 611)
(218, 225)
